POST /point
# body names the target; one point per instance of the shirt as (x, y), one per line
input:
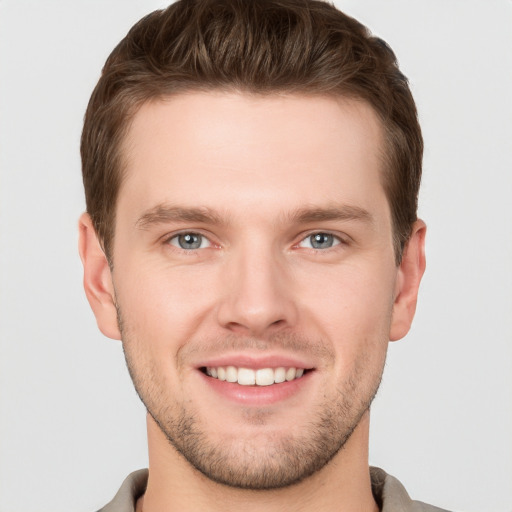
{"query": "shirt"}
(388, 492)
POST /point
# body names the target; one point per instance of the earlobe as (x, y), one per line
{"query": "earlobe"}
(98, 284)
(408, 281)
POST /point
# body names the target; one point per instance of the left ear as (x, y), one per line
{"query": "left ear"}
(410, 272)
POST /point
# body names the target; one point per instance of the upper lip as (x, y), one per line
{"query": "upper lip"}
(257, 361)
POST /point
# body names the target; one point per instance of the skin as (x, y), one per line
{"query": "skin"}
(269, 172)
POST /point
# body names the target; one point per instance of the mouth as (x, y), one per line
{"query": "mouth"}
(257, 381)
(255, 377)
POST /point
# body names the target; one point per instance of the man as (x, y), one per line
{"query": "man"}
(251, 172)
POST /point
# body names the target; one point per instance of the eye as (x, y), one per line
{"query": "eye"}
(189, 241)
(320, 241)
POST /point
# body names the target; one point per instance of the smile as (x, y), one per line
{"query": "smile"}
(249, 377)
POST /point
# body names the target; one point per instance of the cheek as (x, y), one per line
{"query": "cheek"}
(355, 300)
(352, 312)
(167, 306)
(162, 306)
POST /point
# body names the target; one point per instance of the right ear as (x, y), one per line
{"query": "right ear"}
(98, 283)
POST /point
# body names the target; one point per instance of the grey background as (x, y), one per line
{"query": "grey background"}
(71, 426)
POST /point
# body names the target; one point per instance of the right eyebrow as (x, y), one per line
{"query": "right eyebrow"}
(163, 213)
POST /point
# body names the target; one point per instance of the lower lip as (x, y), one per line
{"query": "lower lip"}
(257, 395)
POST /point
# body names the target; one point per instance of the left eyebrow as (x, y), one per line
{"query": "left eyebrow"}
(340, 213)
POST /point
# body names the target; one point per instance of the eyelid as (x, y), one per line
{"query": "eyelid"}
(340, 239)
(166, 240)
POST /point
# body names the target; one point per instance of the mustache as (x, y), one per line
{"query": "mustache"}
(284, 341)
(287, 341)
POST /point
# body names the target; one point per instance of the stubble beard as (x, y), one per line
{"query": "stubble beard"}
(272, 460)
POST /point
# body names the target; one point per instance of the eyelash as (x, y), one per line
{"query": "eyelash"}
(168, 241)
(338, 240)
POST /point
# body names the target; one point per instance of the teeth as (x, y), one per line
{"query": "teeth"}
(279, 375)
(290, 374)
(248, 377)
(231, 374)
(265, 377)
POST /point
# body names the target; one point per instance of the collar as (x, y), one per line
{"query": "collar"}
(389, 494)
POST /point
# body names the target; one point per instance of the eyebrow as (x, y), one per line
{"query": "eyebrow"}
(341, 213)
(162, 214)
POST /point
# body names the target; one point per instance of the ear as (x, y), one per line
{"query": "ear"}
(97, 279)
(408, 280)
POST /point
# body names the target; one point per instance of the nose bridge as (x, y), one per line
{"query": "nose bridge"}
(257, 297)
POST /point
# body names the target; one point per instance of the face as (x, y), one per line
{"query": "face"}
(254, 278)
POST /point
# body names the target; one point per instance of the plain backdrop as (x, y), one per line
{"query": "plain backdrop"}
(71, 426)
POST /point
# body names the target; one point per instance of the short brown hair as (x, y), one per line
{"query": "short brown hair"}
(256, 46)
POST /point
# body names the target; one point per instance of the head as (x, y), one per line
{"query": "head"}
(261, 47)
(251, 172)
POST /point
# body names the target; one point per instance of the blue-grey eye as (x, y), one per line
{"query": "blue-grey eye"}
(189, 241)
(320, 241)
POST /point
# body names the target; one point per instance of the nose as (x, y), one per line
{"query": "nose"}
(258, 296)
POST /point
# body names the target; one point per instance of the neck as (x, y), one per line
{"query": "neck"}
(343, 484)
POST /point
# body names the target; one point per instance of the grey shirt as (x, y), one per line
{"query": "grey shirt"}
(389, 494)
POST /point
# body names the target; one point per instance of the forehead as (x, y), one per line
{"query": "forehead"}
(235, 150)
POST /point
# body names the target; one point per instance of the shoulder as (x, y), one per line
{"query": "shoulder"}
(132, 488)
(391, 495)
